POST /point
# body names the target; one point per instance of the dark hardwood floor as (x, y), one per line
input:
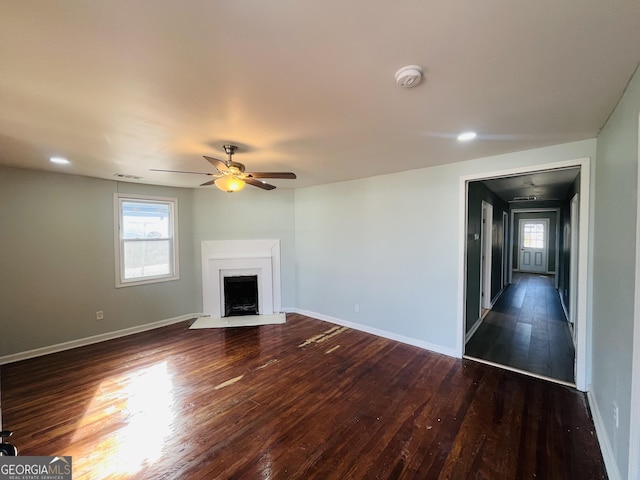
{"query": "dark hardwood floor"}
(527, 330)
(303, 400)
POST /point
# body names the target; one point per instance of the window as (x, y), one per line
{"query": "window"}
(146, 239)
(533, 235)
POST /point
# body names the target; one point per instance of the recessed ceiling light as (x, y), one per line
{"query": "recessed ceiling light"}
(59, 160)
(466, 136)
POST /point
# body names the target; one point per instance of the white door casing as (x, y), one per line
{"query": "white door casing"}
(505, 250)
(485, 262)
(573, 260)
(583, 321)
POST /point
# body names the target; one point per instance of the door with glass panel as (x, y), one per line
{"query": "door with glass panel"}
(534, 234)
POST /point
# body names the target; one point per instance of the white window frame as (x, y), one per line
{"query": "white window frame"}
(118, 200)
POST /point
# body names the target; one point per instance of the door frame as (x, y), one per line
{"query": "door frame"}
(573, 259)
(504, 274)
(634, 424)
(557, 245)
(486, 241)
(583, 358)
(545, 221)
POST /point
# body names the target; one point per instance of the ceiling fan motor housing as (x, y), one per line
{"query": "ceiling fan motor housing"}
(230, 149)
(235, 166)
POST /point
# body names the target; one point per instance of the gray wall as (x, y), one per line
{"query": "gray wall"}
(57, 264)
(478, 193)
(614, 243)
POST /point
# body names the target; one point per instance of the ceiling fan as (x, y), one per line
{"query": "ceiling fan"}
(230, 176)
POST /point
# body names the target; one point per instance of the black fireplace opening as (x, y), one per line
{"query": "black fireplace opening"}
(241, 295)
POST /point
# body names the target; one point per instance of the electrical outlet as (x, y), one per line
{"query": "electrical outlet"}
(616, 416)
(99, 315)
(356, 308)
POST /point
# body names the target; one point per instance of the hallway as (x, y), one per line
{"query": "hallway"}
(527, 330)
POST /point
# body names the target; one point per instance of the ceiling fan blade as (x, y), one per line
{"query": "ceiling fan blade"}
(219, 164)
(259, 184)
(210, 182)
(178, 171)
(286, 175)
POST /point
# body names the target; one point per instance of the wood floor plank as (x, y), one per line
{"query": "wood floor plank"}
(302, 400)
(502, 337)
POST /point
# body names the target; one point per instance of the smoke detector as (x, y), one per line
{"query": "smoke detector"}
(409, 76)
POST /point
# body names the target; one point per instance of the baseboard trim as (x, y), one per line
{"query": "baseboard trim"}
(381, 333)
(550, 272)
(566, 316)
(480, 319)
(81, 342)
(498, 295)
(603, 439)
(564, 306)
(474, 328)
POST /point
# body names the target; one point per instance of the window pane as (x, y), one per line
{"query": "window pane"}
(146, 258)
(145, 220)
(146, 239)
(533, 235)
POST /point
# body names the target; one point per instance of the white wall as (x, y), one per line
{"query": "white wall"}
(614, 286)
(390, 245)
(57, 264)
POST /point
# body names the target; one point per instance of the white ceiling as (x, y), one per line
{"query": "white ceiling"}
(549, 185)
(122, 86)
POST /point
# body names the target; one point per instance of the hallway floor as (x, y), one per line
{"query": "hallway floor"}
(527, 330)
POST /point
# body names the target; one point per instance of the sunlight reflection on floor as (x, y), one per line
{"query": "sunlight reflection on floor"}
(140, 411)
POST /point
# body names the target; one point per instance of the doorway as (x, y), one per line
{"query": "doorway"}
(534, 241)
(544, 277)
(485, 264)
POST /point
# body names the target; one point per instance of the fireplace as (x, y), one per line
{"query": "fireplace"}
(224, 259)
(241, 295)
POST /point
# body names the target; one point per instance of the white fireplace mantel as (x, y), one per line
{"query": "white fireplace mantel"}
(221, 258)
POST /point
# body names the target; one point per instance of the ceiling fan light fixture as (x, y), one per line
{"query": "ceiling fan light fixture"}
(230, 176)
(230, 183)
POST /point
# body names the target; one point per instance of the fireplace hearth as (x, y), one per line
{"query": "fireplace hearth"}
(241, 295)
